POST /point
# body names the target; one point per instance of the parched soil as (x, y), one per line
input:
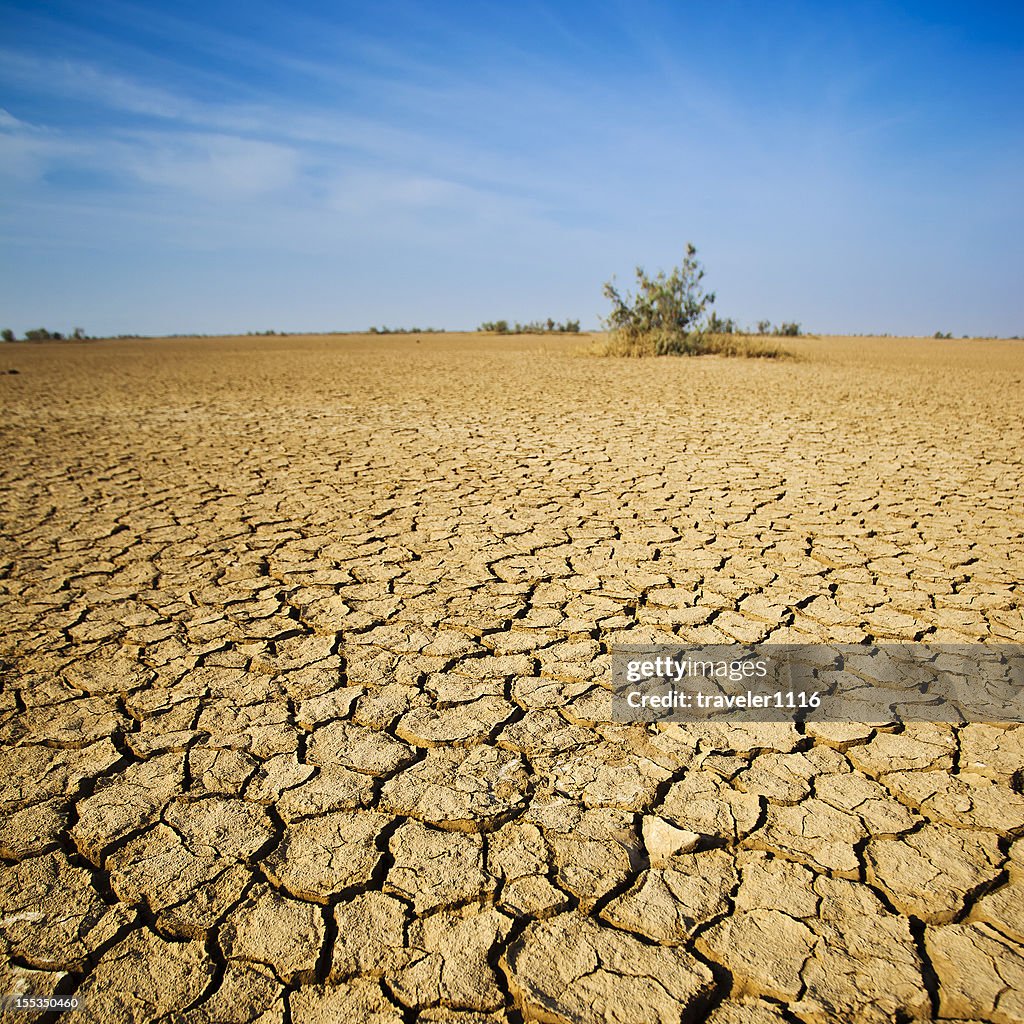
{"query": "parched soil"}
(305, 650)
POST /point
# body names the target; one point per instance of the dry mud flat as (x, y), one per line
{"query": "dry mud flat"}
(305, 653)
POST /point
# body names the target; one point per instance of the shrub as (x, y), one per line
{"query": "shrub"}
(788, 330)
(7, 334)
(764, 326)
(42, 334)
(665, 317)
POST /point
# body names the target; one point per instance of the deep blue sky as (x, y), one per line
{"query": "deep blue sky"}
(211, 167)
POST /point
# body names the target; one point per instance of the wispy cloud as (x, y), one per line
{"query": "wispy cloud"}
(27, 151)
(84, 82)
(209, 165)
(353, 163)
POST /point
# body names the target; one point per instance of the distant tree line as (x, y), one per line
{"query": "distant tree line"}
(786, 329)
(548, 326)
(726, 325)
(407, 330)
(42, 334)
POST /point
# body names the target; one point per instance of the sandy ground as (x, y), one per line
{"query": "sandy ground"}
(305, 645)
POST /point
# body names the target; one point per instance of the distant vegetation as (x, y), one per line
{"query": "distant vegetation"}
(670, 314)
(548, 326)
(407, 330)
(42, 334)
(787, 330)
(764, 327)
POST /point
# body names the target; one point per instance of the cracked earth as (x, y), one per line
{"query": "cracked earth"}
(305, 710)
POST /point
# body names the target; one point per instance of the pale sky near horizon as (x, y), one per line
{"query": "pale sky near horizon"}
(227, 167)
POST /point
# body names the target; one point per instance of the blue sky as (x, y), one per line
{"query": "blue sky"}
(257, 165)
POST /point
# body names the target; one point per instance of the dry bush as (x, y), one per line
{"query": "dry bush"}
(743, 345)
(667, 314)
(635, 346)
(670, 315)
